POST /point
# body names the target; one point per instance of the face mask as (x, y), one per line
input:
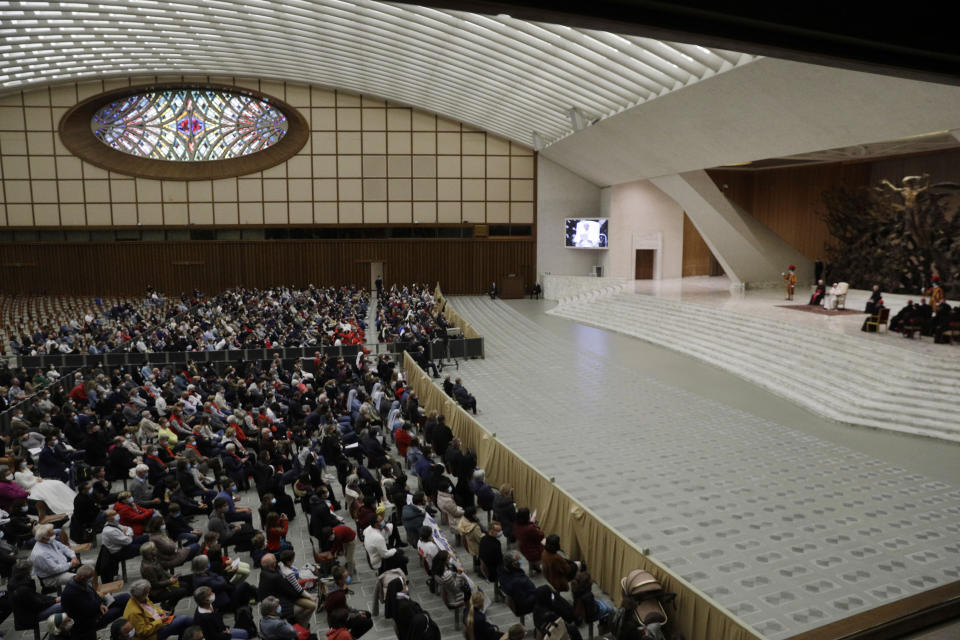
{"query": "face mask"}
(24, 508)
(272, 500)
(233, 488)
(8, 477)
(163, 527)
(129, 500)
(116, 519)
(349, 579)
(130, 635)
(90, 491)
(55, 442)
(1, 534)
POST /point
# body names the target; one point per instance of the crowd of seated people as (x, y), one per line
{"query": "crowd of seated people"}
(127, 325)
(407, 314)
(235, 319)
(344, 444)
(282, 317)
(943, 325)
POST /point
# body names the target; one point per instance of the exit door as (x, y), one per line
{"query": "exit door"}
(643, 269)
(376, 270)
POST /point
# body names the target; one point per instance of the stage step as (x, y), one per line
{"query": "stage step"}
(846, 378)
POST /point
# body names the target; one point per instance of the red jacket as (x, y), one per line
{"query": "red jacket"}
(528, 541)
(133, 515)
(342, 535)
(402, 438)
(275, 535)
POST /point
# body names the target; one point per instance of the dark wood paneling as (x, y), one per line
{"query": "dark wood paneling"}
(461, 266)
(788, 200)
(696, 253)
(896, 620)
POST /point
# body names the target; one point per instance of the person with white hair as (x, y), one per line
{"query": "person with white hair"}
(120, 539)
(144, 493)
(148, 428)
(52, 560)
(272, 624)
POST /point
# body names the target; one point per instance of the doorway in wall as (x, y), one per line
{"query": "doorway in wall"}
(376, 269)
(643, 268)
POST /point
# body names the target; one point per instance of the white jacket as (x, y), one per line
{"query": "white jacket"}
(376, 545)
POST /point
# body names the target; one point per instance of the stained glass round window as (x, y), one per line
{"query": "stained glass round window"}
(189, 124)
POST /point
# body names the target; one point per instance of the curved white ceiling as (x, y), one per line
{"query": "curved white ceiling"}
(507, 76)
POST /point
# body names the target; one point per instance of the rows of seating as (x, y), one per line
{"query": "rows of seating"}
(842, 377)
(187, 442)
(27, 316)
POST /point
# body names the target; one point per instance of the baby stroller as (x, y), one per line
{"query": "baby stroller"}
(643, 616)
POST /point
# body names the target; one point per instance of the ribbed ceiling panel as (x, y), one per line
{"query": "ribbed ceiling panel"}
(507, 76)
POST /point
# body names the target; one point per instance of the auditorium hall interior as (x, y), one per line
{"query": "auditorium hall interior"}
(422, 319)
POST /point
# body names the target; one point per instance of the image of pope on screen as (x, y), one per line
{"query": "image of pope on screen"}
(586, 233)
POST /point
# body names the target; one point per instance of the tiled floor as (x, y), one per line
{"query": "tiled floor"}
(782, 524)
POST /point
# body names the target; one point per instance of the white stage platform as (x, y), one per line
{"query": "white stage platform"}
(787, 529)
(824, 363)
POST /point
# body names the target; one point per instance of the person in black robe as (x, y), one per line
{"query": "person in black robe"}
(875, 298)
(898, 321)
(817, 298)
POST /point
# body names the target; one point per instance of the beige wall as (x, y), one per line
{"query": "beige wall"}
(637, 210)
(366, 162)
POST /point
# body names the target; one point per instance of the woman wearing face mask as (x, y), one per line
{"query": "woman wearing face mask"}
(131, 514)
(210, 620)
(56, 494)
(168, 554)
(358, 622)
(149, 620)
(166, 586)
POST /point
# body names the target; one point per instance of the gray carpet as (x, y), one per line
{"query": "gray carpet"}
(787, 530)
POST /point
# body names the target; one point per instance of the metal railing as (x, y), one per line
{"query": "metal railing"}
(453, 348)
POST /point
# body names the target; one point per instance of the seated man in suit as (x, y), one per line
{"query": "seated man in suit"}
(54, 460)
(144, 494)
(89, 610)
(463, 397)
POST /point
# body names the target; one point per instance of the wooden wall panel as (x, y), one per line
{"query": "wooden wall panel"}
(696, 253)
(788, 200)
(461, 266)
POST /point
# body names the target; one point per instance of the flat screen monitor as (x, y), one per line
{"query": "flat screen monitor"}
(585, 233)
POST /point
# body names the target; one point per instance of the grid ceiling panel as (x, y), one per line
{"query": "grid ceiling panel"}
(507, 76)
